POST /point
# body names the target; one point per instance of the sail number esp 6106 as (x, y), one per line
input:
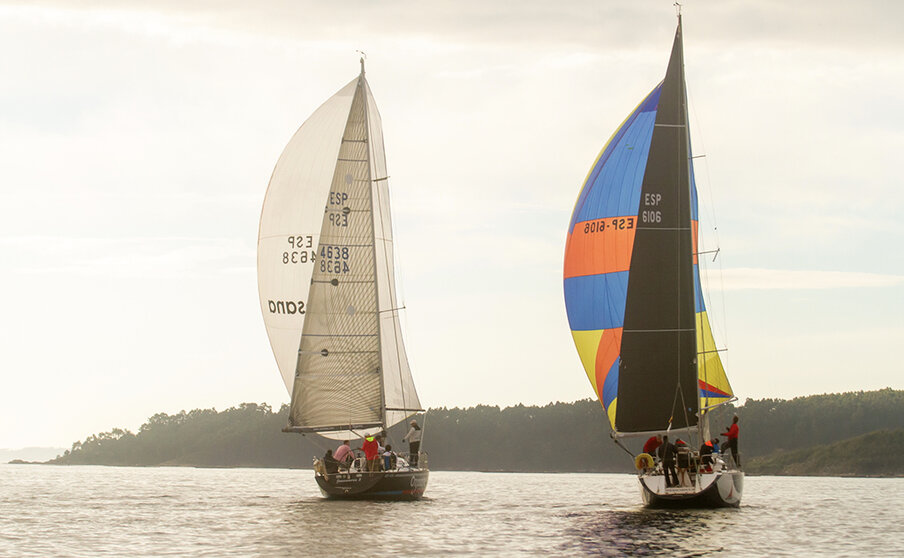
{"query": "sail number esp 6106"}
(616, 223)
(651, 215)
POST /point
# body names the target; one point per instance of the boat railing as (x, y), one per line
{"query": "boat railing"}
(358, 464)
(697, 464)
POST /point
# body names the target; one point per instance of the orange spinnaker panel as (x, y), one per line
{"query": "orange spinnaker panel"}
(600, 246)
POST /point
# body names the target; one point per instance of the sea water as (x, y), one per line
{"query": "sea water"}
(162, 511)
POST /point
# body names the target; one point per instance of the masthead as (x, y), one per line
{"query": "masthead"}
(363, 57)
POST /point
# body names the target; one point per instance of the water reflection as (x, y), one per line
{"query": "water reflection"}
(643, 532)
(331, 523)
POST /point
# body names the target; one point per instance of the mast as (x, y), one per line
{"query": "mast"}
(702, 417)
(373, 238)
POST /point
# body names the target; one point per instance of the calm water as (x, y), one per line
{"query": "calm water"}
(113, 511)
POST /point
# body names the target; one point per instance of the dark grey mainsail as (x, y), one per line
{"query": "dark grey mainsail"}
(657, 386)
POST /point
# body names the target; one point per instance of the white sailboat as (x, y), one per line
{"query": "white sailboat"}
(326, 280)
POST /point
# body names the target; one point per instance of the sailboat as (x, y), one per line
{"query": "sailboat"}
(634, 299)
(326, 279)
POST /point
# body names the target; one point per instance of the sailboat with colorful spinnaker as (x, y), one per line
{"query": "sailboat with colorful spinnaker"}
(634, 299)
(326, 279)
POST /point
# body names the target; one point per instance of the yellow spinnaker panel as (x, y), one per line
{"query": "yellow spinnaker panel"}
(714, 386)
(587, 343)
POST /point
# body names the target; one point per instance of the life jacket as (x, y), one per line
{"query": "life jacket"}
(370, 448)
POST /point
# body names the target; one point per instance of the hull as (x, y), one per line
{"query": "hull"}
(391, 485)
(715, 490)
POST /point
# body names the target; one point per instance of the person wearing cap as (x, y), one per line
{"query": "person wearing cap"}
(414, 442)
(371, 452)
(706, 454)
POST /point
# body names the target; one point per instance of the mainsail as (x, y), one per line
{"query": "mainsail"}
(326, 273)
(631, 277)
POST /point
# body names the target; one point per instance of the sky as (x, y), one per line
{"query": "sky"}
(137, 139)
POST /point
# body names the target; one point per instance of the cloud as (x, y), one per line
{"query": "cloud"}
(770, 279)
(126, 257)
(873, 24)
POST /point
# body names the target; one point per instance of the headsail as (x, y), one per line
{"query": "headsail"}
(347, 363)
(631, 282)
(290, 225)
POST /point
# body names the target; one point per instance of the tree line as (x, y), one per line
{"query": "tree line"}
(563, 437)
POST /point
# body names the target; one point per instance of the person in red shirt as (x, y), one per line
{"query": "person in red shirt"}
(371, 452)
(651, 444)
(731, 433)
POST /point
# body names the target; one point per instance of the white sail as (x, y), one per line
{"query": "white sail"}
(400, 396)
(343, 356)
(290, 226)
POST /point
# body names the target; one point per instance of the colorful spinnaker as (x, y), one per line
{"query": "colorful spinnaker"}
(632, 281)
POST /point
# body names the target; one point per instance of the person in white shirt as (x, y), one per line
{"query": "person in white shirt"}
(414, 442)
(381, 448)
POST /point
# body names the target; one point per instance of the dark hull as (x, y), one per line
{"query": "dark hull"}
(724, 492)
(390, 485)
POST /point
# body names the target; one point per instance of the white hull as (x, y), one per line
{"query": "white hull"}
(708, 490)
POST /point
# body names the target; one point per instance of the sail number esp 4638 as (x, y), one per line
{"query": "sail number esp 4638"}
(299, 250)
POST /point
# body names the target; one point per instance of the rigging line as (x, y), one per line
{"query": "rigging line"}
(619, 444)
(388, 262)
(423, 433)
(711, 207)
(391, 310)
(689, 156)
(674, 402)
(314, 441)
(690, 431)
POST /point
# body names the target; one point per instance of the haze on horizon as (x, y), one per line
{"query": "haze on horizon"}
(138, 137)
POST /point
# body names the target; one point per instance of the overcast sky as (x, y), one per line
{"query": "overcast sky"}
(137, 139)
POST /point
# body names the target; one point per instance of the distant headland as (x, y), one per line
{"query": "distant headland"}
(856, 433)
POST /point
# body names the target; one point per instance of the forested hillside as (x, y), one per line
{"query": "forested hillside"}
(556, 437)
(774, 424)
(876, 453)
